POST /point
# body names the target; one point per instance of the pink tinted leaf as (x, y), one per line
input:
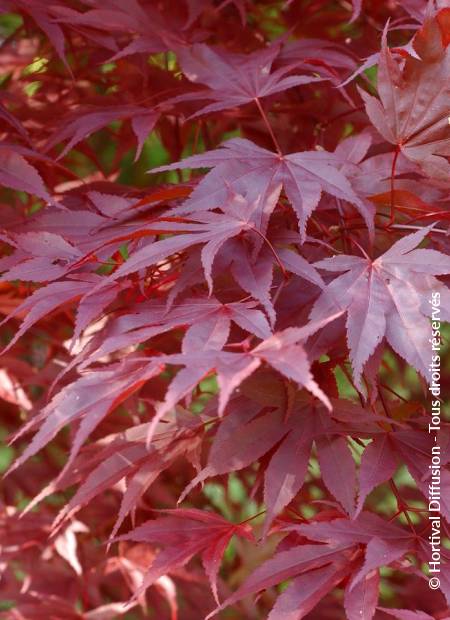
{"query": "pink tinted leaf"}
(184, 533)
(361, 601)
(181, 525)
(354, 148)
(286, 473)
(143, 125)
(181, 386)
(303, 594)
(232, 370)
(110, 611)
(156, 460)
(138, 484)
(357, 6)
(80, 125)
(11, 391)
(284, 565)
(46, 244)
(234, 79)
(378, 464)
(338, 470)
(386, 297)
(375, 110)
(413, 97)
(66, 545)
(289, 358)
(254, 276)
(380, 553)
(407, 327)
(406, 244)
(366, 324)
(51, 29)
(169, 559)
(39, 269)
(352, 531)
(155, 252)
(18, 174)
(44, 301)
(222, 229)
(250, 319)
(212, 557)
(295, 263)
(91, 306)
(294, 335)
(106, 474)
(109, 205)
(369, 62)
(88, 399)
(241, 446)
(211, 333)
(292, 361)
(304, 175)
(212, 229)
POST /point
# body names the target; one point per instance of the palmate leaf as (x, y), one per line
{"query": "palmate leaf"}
(42, 15)
(153, 31)
(147, 320)
(360, 602)
(46, 299)
(133, 462)
(387, 297)
(304, 592)
(283, 351)
(94, 395)
(243, 439)
(184, 533)
(87, 400)
(338, 470)
(78, 126)
(299, 560)
(158, 341)
(412, 112)
(18, 174)
(235, 79)
(378, 464)
(210, 229)
(246, 167)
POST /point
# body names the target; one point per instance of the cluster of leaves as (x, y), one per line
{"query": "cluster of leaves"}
(216, 375)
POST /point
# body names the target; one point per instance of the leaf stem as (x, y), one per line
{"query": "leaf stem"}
(359, 246)
(394, 164)
(272, 249)
(267, 124)
(402, 505)
(258, 514)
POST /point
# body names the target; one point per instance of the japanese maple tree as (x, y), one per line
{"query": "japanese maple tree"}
(224, 282)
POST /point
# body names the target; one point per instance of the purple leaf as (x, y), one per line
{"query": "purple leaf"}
(378, 464)
(338, 470)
